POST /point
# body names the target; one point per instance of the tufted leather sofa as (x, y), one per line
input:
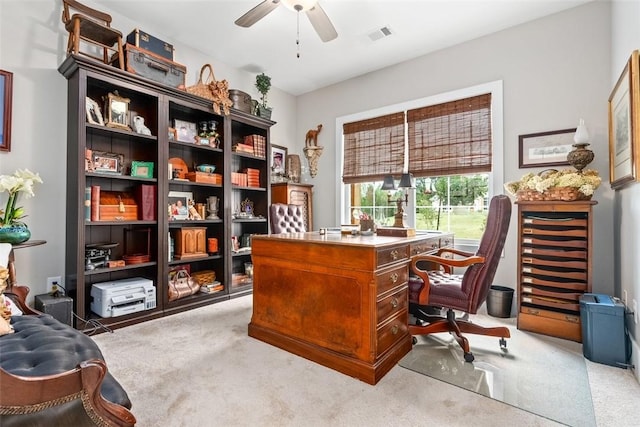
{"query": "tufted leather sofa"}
(53, 374)
(286, 218)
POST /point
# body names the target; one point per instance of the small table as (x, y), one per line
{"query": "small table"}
(11, 264)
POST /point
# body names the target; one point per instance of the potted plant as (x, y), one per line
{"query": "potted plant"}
(263, 84)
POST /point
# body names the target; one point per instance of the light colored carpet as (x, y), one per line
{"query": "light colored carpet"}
(200, 368)
(538, 373)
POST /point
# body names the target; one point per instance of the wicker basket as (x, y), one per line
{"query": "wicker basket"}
(204, 277)
(213, 90)
(565, 194)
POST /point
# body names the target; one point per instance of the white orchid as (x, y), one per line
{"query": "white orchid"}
(22, 181)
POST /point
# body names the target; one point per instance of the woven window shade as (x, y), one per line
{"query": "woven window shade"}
(453, 138)
(373, 148)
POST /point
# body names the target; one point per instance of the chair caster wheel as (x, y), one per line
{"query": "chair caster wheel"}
(503, 344)
(414, 340)
(468, 357)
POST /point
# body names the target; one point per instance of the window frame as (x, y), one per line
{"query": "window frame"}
(496, 176)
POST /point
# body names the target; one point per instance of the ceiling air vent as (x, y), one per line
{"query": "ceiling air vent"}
(380, 33)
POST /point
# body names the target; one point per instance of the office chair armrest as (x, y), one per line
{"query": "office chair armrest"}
(455, 252)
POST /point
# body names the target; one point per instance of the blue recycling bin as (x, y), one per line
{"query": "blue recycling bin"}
(604, 337)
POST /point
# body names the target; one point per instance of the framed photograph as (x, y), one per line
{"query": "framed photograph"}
(185, 131)
(116, 111)
(545, 148)
(104, 162)
(278, 157)
(6, 96)
(94, 115)
(179, 204)
(624, 132)
(142, 169)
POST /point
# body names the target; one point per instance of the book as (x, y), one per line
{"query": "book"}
(95, 203)
(87, 204)
(146, 200)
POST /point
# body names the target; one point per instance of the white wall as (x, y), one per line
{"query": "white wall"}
(625, 38)
(555, 71)
(32, 46)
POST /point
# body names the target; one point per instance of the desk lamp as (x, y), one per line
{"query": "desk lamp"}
(405, 182)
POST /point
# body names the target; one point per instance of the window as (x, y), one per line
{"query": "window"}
(454, 195)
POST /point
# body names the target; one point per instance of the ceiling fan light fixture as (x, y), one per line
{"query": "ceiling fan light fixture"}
(300, 5)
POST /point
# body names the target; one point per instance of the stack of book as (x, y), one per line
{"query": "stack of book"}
(211, 288)
(242, 148)
(239, 178)
(258, 142)
(253, 177)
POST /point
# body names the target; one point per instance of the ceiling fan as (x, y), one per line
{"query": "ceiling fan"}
(315, 13)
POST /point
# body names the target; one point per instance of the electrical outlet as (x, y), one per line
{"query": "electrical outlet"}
(624, 297)
(634, 307)
(54, 281)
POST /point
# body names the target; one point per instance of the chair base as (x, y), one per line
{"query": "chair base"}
(456, 326)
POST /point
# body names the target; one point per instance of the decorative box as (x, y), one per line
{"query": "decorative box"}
(154, 67)
(204, 277)
(153, 44)
(208, 178)
(117, 206)
(190, 242)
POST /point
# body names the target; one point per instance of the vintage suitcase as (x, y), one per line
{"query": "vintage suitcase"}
(146, 41)
(147, 64)
(117, 206)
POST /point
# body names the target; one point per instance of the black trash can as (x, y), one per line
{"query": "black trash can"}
(499, 301)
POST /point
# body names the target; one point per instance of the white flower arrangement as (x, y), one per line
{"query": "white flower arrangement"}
(22, 181)
(586, 182)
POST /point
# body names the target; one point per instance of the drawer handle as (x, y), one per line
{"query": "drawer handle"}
(158, 67)
(527, 260)
(394, 277)
(527, 231)
(572, 319)
(395, 329)
(394, 303)
(394, 254)
(533, 311)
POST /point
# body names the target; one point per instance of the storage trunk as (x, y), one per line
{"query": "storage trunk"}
(146, 41)
(117, 206)
(209, 178)
(147, 64)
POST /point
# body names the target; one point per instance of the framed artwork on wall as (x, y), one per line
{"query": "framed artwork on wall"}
(6, 95)
(545, 148)
(278, 157)
(624, 125)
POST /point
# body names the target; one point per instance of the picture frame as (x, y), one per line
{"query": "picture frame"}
(178, 208)
(6, 103)
(142, 169)
(185, 131)
(624, 125)
(116, 111)
(109, 163)
(278, 157)
(94, 114)
(545, 149)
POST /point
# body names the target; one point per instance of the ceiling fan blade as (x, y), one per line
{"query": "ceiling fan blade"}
(257, 13)
(321, 23)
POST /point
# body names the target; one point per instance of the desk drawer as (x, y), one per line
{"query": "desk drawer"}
(391, 278)
(392, 255)
(392, 304)
(428, 245)
(389, 333)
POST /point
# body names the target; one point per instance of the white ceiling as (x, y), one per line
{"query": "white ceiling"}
(418, 27)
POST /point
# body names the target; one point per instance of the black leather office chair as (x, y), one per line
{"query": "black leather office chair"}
(286, 218)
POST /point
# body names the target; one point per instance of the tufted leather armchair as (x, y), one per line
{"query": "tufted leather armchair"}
(286, 218)
(435, 287)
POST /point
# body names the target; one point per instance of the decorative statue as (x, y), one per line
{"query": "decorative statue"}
(139, 126)
(311, 140)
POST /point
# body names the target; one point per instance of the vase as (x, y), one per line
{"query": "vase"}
(14, 234)
(580, 156)
(293, 167)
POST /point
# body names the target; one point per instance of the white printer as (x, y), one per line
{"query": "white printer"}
(119, 297)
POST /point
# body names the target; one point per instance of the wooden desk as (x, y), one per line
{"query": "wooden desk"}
(338, 300)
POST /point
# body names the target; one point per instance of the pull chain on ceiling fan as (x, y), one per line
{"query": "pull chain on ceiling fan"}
(317, 16)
